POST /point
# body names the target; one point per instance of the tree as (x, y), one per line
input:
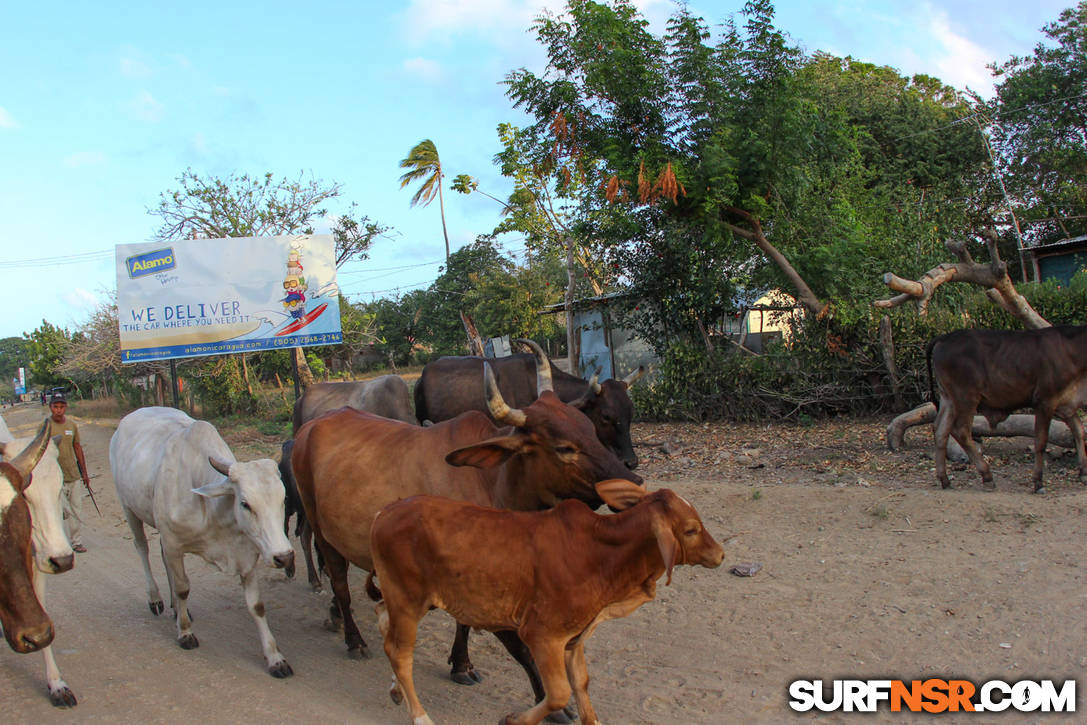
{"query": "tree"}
(424, 166)
(739, 163)
(13, 355)
(1039, 131)
(45, 349)
(354, 237)
(240, 206)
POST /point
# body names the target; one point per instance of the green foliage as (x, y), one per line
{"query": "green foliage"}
(1038, 129)
(45, 349)
(834, 369)
(13, 355)
(217, 382)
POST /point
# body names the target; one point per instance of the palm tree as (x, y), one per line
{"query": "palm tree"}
(425, 166)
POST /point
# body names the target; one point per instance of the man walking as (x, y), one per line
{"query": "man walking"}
(72, 464)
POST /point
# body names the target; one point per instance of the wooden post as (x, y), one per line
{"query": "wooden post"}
(173, 382)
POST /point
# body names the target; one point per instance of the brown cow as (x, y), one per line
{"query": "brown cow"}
(386, 395)
(349, 464)
(995, 372)
(27, 627)
(551, 576)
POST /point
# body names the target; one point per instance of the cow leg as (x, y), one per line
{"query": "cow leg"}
(520, 652)
(1076, 426)
(941, 429)
(337, 566)
(277, 663)
(399, 630)
(577, 670)
(139, 540)
(59, 692)
(548, 654)
(1042, 420)
(462, 672)
(179, 594)
(961, 428)
(306, 536)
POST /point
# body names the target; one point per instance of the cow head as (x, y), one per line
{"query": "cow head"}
(607, 405)
(26, 625)
(677, 527)
(258, 505)
(552, 452)
(52, 550)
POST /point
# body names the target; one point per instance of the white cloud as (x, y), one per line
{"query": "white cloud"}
(81, 299)
(145, 108)
(424, 68)
(199, 144)
(6, 119)
(961, 62)
(84, 158)
(132, 67)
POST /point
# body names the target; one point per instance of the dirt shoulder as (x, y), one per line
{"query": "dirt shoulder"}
(869, 570)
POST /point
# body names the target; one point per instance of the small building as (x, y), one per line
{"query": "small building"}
(1059, 261)
(616, 351)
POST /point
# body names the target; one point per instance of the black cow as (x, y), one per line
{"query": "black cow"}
(450, 386)
(995, 372)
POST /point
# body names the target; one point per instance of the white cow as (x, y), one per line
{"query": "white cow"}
(52, 551)
(177, 475)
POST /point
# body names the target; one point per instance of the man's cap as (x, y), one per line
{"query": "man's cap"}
(58, 398)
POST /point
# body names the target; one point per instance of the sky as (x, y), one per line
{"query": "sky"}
(104, 105)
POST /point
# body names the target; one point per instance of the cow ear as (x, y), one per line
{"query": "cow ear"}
(619, 493)
(488, 454)
(666, 542)
(218, 488)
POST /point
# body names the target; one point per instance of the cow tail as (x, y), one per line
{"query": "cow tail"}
(931, 381)
(371, 589)
(420, 400)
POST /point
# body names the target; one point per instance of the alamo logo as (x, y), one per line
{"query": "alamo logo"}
(160, 260)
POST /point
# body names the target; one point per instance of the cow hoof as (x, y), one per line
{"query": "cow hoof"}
(316, 587)
(280, 670)
(1040, 490)
(156, 607)
(360, 652)
(189, 641)
(562, 716)
(467, 677)
(62, 697)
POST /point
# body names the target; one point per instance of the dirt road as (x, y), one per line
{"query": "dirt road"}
(869, 571)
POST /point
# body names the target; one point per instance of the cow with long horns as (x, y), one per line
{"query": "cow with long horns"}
(349, 465)
(27, 627)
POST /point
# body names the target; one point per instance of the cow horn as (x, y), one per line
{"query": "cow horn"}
(543, 366)
(633, 377)
(593, 389)
(500, 411)
(29, 456)
(222, 467)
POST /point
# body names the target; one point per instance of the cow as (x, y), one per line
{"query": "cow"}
(451, 385)
(995, 372)
(27, 627)
(177, 475)
(387, 396)
(52, 551)
(350, 464)
(551, 576)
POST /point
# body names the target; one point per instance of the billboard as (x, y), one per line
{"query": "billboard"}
(19, 383)
(218, 296)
